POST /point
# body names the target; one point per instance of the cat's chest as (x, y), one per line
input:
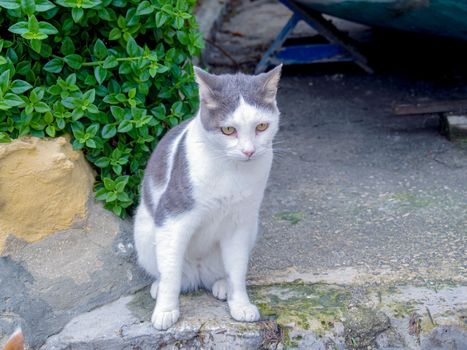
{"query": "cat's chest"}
(232, 187)
(229, 186)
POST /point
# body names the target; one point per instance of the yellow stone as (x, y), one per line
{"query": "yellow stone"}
(44, 187)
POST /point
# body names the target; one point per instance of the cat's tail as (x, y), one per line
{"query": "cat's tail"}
(16, 341)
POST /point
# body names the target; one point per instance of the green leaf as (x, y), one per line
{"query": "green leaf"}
(117, 112)
(178, 22)
(177, 108)
(108, 184)
(123, 197)
(44, 5)
(48, 118)
(10, 4)
(50, 130)
(20, 86)
(36, 45)
(92, 129)
(117, 210)
(74, 61)
(101, 194)
(117, 168)
(132, 47)
(91, 143)
(102, 162)
(28, 7)
(107, 14)
(77, 14)
(183, 37)
(4, 81)
(99, 51)
(11, 100)
(93, 109)
(119, 186)
(41, 107)
(67, 46)
(19, 28)
(109, 131)
(125, 126)
(47, 28)
(33, 24)
(115, 34)
(124, 68)
(4, 137)
(144, 8)
(36, 94)
(71, 80)
(90, 95)
(161, 18)
(61, 124)
(12, 55)
(55, 65)
(87, 4)
(23, 67)
(77, 145)
(34, 36)
(110, 62)
(100, 73)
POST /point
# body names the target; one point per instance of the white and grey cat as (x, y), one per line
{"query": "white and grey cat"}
(202, 190)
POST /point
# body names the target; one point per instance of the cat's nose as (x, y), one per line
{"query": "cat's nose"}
(248, 153)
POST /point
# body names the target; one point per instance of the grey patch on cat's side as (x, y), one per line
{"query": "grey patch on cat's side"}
(158, 165)
(177, 197)
(220, 95)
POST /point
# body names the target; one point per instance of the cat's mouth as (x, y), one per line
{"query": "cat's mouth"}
(248, 159)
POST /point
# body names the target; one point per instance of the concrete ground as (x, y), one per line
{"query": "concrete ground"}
(363, 228)
(356, 189)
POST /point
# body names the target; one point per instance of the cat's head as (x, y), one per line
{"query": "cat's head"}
(239, 112)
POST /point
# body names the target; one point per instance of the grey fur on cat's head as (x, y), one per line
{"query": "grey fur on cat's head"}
(220, 94)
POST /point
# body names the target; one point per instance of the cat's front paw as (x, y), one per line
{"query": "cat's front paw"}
(244, 312)
(219, 289)
(163, 320)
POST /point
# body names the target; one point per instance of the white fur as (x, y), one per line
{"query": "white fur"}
(209, 246)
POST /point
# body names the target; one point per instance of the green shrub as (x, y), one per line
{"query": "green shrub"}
(114, 74)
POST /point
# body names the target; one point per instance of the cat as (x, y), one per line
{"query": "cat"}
(203, 186)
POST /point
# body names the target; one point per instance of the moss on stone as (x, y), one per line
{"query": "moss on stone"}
(403, 309)
(412, 200)
(298, 305)
(293, 217)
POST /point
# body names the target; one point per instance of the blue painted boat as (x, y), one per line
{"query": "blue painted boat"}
(447, 18)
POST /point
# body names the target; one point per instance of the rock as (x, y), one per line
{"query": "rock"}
(44, 187)
(205, 324)
(363, 325)
(46, 283)
(445, 337)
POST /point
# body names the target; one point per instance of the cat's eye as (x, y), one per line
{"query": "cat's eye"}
(262, 126)
(228, 130)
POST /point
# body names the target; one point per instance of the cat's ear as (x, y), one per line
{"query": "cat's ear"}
(270, 83)
(207, 83)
